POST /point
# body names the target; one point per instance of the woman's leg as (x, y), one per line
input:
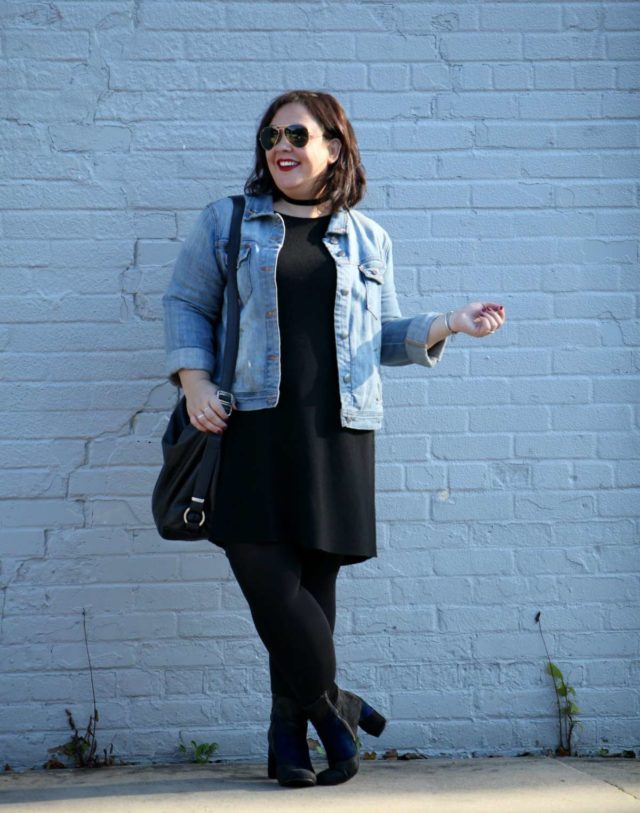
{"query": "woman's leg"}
(319, 575)
(289, 620)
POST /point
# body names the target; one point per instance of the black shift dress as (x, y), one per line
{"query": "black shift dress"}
(292, 472)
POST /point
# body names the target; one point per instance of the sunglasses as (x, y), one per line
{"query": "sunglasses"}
(296, 134)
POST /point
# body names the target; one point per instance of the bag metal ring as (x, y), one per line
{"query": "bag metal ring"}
(186, 521)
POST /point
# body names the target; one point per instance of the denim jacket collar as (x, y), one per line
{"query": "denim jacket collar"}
(259, 205)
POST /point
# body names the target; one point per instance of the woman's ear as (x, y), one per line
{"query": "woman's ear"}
(334, 149)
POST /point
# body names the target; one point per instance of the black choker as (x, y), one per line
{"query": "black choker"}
(314, 202)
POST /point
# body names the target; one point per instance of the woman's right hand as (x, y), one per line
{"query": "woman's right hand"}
(205, 410)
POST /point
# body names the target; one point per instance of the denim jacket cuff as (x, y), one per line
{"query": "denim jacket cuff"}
(193, 358)
(416, 341)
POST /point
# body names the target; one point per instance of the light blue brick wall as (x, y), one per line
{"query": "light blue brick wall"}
(501, 144)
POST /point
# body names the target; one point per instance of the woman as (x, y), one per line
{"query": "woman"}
(319, 315)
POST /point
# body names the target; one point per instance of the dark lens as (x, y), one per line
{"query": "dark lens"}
(297, 135)
(268, 137)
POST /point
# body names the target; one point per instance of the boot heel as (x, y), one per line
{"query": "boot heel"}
(371, 720)
(271, 765)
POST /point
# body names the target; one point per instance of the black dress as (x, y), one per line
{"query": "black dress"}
(292, 472)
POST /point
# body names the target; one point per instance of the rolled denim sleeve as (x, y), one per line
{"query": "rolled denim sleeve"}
(416, 341)
(193, 300)
(404, 339)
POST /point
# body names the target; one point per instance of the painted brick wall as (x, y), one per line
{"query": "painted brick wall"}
(501, 144)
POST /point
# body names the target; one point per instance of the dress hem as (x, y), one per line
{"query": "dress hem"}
(347, 558)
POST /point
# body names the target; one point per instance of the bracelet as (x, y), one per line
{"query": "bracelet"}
(446, 322)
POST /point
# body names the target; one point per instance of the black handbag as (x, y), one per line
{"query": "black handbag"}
(184, 494)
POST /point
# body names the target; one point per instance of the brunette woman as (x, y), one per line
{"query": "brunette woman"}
(319, 316)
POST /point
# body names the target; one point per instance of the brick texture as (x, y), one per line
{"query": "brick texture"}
(501, 145)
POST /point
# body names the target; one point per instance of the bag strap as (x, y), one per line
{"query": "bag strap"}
(233, 305)
(194, 515)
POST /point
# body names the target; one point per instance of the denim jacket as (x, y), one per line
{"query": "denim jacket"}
(369, 328)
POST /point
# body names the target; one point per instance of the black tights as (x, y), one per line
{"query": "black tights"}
(292, 596)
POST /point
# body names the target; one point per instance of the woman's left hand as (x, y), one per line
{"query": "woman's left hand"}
(478, 318)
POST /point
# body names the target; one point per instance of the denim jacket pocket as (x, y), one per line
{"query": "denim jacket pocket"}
(373, 273)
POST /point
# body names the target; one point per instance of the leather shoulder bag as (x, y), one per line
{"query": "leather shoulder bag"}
(184, 494)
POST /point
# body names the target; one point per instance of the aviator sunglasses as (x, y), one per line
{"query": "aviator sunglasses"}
(296, 134)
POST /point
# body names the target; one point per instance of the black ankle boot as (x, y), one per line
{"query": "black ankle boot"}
(338, 736)
(289, 760)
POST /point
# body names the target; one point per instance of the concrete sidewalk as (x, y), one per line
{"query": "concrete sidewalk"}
(494, 785)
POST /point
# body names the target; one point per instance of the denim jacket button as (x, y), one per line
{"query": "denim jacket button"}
(346, 378)
(340, 253)
(344, 335)
(344, 291)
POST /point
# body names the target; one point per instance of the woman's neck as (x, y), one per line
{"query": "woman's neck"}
(286, 208)
(306, 209)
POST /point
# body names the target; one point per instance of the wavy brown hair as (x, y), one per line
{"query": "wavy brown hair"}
(345, 179)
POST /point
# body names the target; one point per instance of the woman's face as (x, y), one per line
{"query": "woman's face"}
(311, 161)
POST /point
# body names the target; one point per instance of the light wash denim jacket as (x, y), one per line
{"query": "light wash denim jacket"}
(369, 328)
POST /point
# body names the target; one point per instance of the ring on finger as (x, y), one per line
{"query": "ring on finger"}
(200, 416)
